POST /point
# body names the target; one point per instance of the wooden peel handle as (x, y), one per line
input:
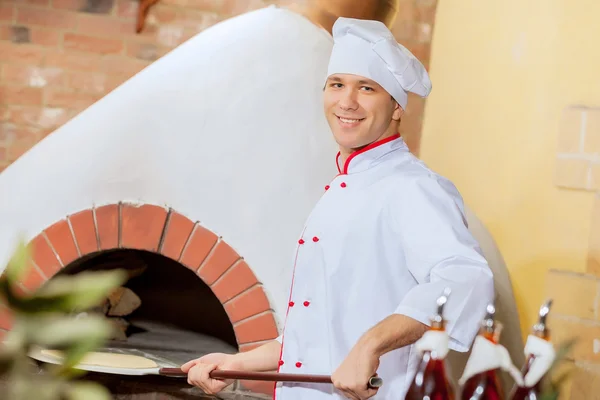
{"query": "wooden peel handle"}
(374, 382)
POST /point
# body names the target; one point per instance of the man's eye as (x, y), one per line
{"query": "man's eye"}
(336, 85)
(367, 88)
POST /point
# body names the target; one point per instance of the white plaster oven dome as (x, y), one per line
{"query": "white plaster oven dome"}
(208, 131)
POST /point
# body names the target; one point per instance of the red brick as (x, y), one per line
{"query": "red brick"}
(197, 19)
(46, 17)
(247, 304)
(114, 81)
(33, 280)
(217, 262)
(45, 37)
(162, 14)
(15, 135)
(75, 5)
(84, 229)
(255, 329)
(74, 61)
(22, 35)
(87, 82)
(178, 231)
(103, 26)
(43, 117)
(198, 247)
(127, 8)
(40, 3)
(145, 51)
(233, 282)
(142, 227)
(233, 7)
(122, 65)
(43, 256)
(262, 387)
(62, 241)
(6, 32)
(166, 35)
(32, 76)
(251, 346)
(79, 42)
(6, 317)
(180, 3)
(217, 6)
(107, 223)
(67, 98)
(24, 53)
(16, 150)
(34, 35)
(20, 95)
(7, 12)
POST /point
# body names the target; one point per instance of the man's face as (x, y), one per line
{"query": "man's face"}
(359, 111)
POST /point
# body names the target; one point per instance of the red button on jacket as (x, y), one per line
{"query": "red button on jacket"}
(343, 184)
(301, 241)
(315, 239)
(291, 304)
(280, 362)
(298, 364)
(306, 303)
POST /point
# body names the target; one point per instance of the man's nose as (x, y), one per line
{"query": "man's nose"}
(348, 100)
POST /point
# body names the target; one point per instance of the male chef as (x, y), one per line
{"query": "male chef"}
(380, 246)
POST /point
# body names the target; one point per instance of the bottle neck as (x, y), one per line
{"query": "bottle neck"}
(488, 335)
(542, 334)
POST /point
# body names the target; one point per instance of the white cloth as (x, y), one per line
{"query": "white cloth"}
(368, 48)
(388, 236)
(544, 354)
(487, 356)
(436, 342)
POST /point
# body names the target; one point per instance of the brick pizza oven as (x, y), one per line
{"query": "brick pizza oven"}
(196, 291)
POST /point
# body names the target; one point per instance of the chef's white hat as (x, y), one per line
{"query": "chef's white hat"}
(368, 48)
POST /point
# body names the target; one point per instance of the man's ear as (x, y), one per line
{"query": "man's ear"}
(398, 112)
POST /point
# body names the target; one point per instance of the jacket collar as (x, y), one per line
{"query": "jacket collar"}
(370, 155)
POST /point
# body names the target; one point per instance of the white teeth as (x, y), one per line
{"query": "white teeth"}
(348, 121)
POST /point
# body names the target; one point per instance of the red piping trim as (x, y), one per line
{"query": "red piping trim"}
(287, 311)
(364, 149)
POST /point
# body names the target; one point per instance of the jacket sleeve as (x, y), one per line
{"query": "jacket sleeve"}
(440, 252)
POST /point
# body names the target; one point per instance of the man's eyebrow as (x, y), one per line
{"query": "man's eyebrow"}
(334, 79)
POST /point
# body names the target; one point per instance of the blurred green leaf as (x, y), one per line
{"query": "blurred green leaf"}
(83, 290)
(61, 331)
(18, 264)
(74, 337)
(42, 320)
(87, 391)
(66, 293)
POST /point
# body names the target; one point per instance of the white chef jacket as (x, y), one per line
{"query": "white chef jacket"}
(387, 236)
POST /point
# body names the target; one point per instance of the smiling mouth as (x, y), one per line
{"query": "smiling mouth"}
(349, 121)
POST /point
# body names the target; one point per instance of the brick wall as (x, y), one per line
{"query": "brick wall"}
(578, 159)
(576, 314)
(57, 57)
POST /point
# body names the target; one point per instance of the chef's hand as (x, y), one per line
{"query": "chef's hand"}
(198, 371)
(353, 374)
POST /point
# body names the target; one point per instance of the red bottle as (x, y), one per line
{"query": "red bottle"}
(484, 385)
(431, 381)
(540, 331)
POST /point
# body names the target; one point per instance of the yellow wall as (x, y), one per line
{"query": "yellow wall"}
(502, 73)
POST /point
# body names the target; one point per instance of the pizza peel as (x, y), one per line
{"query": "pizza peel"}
(167, 368)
